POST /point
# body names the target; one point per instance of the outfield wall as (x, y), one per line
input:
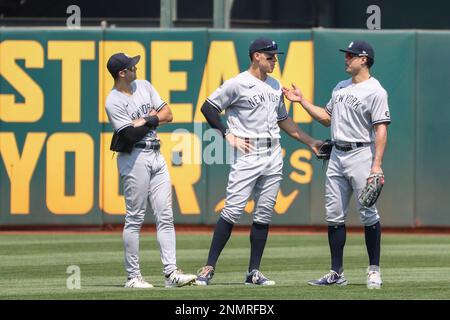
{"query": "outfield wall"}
(56, 167)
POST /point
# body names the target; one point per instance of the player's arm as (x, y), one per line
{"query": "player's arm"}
(122, 124)
(155, 118)
(131, 135)
(291, 128)
(158, 117)
(380, 146)
(164, 114)
(211, 115)
(316, 112)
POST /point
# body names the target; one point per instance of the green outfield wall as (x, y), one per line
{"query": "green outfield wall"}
(56, 167)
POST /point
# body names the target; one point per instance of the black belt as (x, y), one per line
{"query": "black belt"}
(350, 146)
(262, 142)
(150, 145)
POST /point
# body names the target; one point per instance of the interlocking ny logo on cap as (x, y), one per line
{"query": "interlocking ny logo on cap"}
(350, 45)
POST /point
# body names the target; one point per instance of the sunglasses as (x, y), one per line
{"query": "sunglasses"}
(132, 69)
(269, 56)
(352, 55)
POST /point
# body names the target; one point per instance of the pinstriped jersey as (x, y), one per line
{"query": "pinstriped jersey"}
(123, 109)
(252, 107)
(355, 108)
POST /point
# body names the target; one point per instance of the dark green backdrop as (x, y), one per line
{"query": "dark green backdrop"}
(411, 65)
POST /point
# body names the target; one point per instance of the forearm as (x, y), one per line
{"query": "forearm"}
(292, 129)
(380, 144)
(316, 112)
(132, 135)
(212, 116)
(162, 117)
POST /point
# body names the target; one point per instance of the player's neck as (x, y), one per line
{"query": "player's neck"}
(361, 76)
(123, 87)
(257, 73)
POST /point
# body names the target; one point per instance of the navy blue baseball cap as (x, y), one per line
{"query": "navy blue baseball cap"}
(360, 48)
(264, 45)
(120, 61)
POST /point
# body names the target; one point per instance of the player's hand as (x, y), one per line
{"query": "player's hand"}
(375, 170)
(138, 122)
(141, 121)
(315, 145)
(240, 144)
(294, 94)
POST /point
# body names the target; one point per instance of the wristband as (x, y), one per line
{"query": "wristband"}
(151, 121)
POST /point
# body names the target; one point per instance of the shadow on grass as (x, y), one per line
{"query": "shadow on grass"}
(105, 285)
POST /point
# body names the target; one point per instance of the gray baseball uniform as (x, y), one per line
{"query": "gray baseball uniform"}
(145, 177)
(354, 109)
(252, 109)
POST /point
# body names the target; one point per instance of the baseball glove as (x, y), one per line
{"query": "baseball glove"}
(324, 151)
(372, 190)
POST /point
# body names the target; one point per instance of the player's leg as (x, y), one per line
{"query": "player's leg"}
(135, 178)
(373, 244)
(160, 198)
(241, 180)
(265, 194)
(368, 216)
(337, 196)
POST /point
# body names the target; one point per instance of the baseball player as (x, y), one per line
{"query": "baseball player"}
(255, 112)
(135, 110)
(358, 113)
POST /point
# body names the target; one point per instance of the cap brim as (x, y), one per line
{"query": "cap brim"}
(355, 53)
(348, 51)
(134, 61)
(274, 52)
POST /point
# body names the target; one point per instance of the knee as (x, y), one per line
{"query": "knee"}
(262, 220)
(164, 222)
(333, 206)
(335, 221)
(368, 222)
(262, 216)
(369, 216)
(134, 221)
(334, 213)
(334, 217)
(230, 216)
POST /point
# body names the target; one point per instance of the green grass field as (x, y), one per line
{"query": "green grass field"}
(34, 267)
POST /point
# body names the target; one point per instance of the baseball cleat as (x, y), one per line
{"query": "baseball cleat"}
(204, 275)
(255, 277)
(179, 279)
(137, 282)
(329, 279)
(374, 280)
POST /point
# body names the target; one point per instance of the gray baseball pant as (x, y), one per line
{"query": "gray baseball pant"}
(256, 174)
(146, 180)
(346, 174)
